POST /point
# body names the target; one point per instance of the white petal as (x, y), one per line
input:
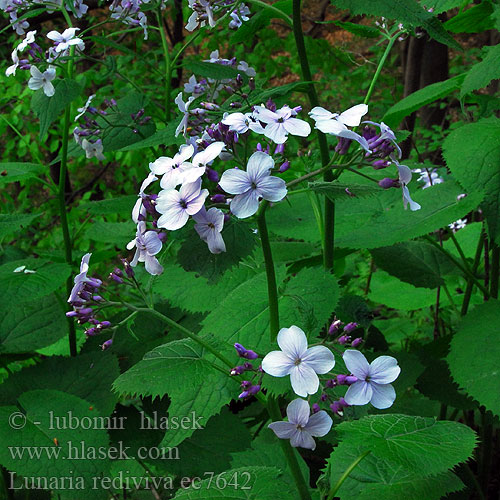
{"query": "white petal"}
(173, 219)
(319, 424)
(209, 154)
(215, 242)
(152, 242)
(352, 116)
(359, 393)
(272, 188)
(295, 126)
(319, 113)
(276, 132)
(284, 430)
(330, 126)
(319, 358)
(152, 265)
(356, 363)
(277, 364)
(235, 181)
(259, 165)
(49, 89)
(292, 341)
(244, 205)
(55, 36)
(195, 204)
(304, 380)
(407, 199)
(383, 396)
(302, 439)
(265, 115)
(384, 370)
(298, 412)
(404, 173)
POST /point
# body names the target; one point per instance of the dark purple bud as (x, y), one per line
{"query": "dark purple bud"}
(251, 83)
(341, 379)
(212, 175)
(162, 237)
(90, 332)
(254, 389)
(236, 105)
(377, 165)
(330, 383)
(343, 145)
(284, 166)
(388, 183)
(239, 80)
(323, 397)
(211, 106)
(84, 295)
(250, 354)
(71, 314)
(97, 298)
(315, 408)
(248, 366)
(343, 403)
(218, 198)
(240, 350)
(336, 408)
(244, 395)
(227, 218)
(129, 271)
(259, 147)
(237, 370)
(116, 278)
(350, 327)
(296, 110)
(107, 344)
(145, 120)
(334, 327)
(357, 342)
(246, 384)
(104, 324)
(350, 379)
(280, 148)
(343, 339)
(270, 104)
(85, 311)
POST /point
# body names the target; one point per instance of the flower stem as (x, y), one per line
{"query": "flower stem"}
(470, 282)
(329, 220)
(379, 67)
(345, 475)
(272, 291)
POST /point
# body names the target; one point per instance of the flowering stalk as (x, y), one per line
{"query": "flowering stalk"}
(329, 220)
(345, 475)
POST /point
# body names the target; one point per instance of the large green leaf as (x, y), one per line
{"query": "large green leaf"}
(88, 376)
(473, 20)
(336, 190)
(11, 223)
(408, 12)
(214, 70)
(118, 205)
(165, 136)
(482, 73)
(416, 262)
(31, 325)
(420, 98)
(12, 172)
(472, 153)
(48, 109)
(19, 287)
(117, 233)
(56, 445)
(182, 370)
(245, 483)
(474, 355)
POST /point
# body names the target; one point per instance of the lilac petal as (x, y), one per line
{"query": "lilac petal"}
(258, 166)
(359, 393)
(272, 188)
(190, 191)
(292, 342)
(235, 181)
(152, 265)
(319, 358)
(349, 134)
(265, 115)
(152, 242)
(136, 259)
(84, 265)
(302, 439)
(304, 380)
(284, 430)
(295, 126)
(277, 364)
(185, 152)
(276, 132)
(196, 204)
(298, 412)
(404, 173)
(131, 244)
(215, 242)
(167, 199)
(352, 116)
(383, 396)
(330, 126)
(407, 199)
(209, 154)
(319, 113)
(49, 89)
(384, 370)
(216, 217)
(246, 204)
(173, 219)
(161, 165)
(319, 424)
(237, 122)
(189, 173)
(171, 179)
(356, 363)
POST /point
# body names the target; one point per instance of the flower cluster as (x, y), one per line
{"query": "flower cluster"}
(367, 383)
(204, 12)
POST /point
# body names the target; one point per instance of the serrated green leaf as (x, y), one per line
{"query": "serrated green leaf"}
(31, 325)
(420, 98)
(166, 370)
(245, 483)
(408, 12)
(214, 70)
(473, 357)
(472, 153)
(482, 73)
(11, 223)
(416, 262)
(359, 29)
(39, 433)
(48, 109)
(165, 137)
(19, 287)
(473, 20)
(88, 376)
(335, 190)
(117, 233)
(13, 172)
(120, 205)
(439, 6)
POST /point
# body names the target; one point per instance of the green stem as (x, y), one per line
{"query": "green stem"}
(379, 67)
(329, 220)
(459, 249)
(470, 282)
(272, 291)
(495, 270)
(345, 475)
(168, 65)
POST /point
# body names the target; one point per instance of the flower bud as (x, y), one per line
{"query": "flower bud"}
(350, 327)
(218, 198)
(344, 339)
(387, 183)
(285, 166)
(341, 379)
(107, 344)
(334, 327)
(315, 408)
(350, 379)
(212, 175)
(356, 342)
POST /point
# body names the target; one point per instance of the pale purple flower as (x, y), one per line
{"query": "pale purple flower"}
(296, 360)
(93, 149)
(11, 70)
(147, 245)
(386, 134)
(139, 209)
(80, 279)
(335, 124)
(43, 80)
(241, 123)
(374, 380)
(183, 108)
(177, 206)
(248, 70)
(404, 173)
(458, 224)
(253, 184)
(29, 38)
(428, 177)
(176, 170)
(202, 159)
(209, 224)
(281, 123)
(301, 425)
(66, 39)
(82, 111)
